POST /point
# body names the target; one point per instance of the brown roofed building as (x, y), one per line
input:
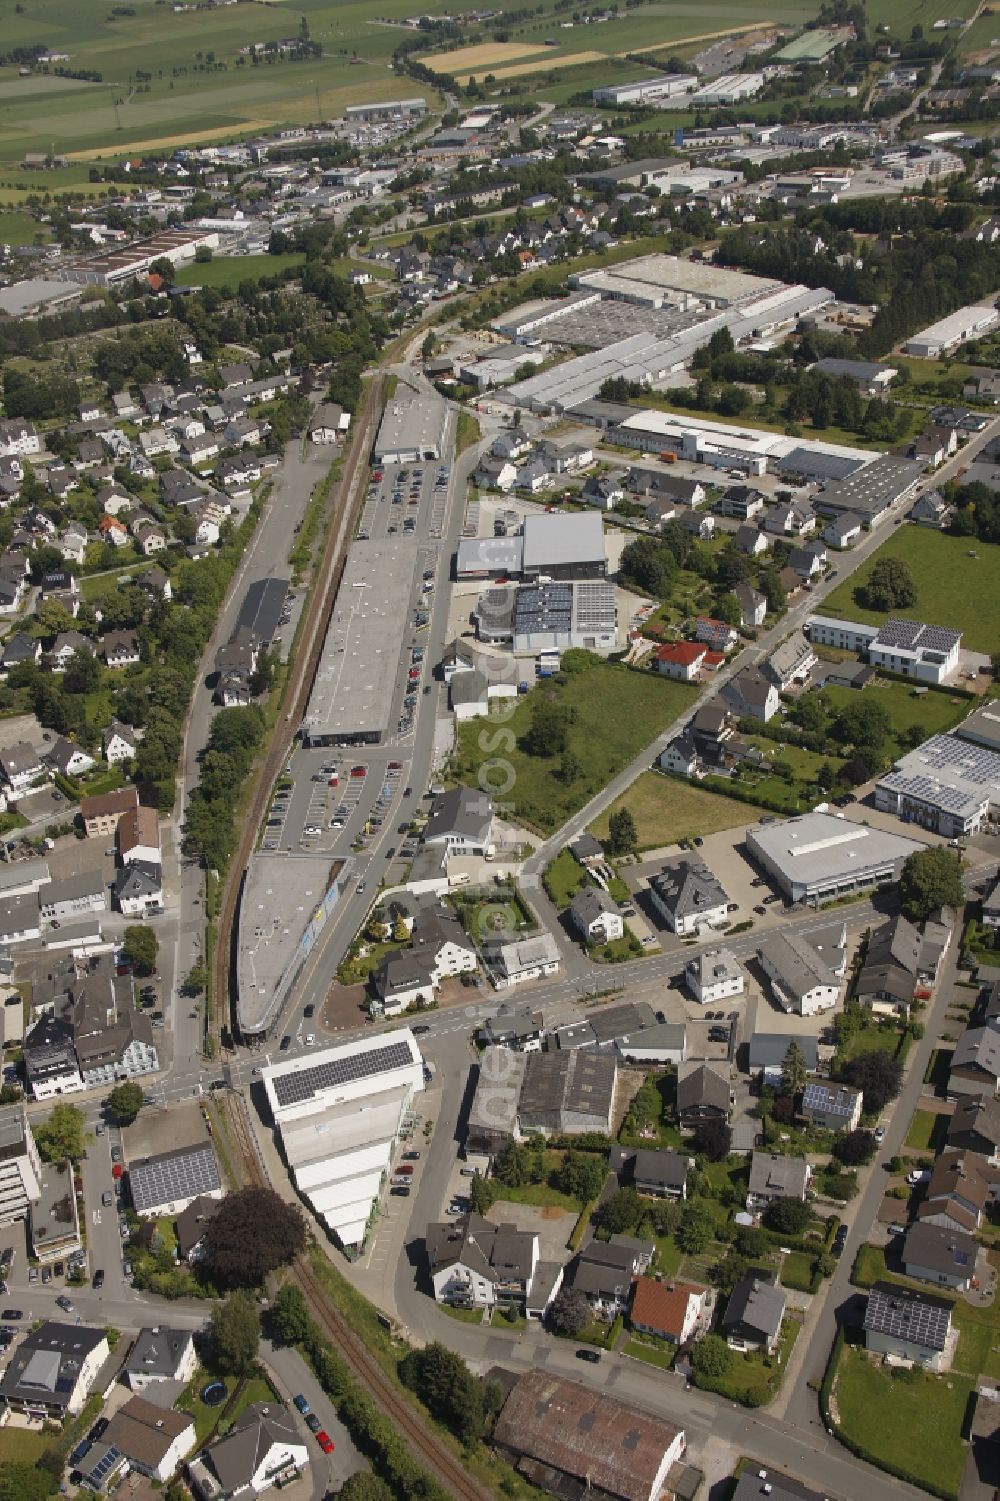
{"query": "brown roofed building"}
(139, 836)
(101, 814)
(568, 1440)
(668, 1310)
(962, 1184)
(153, 1439)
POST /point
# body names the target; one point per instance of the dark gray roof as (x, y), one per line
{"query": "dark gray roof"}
(688, 887)
(181, 1174)
(236, 1458)
(158, 1352)
(768, 1049)
(755, 1303)
(907, 1314)
(261, 609)
(950, 1252)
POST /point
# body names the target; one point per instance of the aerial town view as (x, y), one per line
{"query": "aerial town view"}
(499, 750)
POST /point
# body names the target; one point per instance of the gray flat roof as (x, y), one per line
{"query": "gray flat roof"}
(352, 692)
(23, 296)
(558, 541)
(871, 490)
(821, 847)
(982, 726)
(411, 421)
(281, 893)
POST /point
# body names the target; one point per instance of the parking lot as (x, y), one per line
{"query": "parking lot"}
(406, 499)
(334, 801)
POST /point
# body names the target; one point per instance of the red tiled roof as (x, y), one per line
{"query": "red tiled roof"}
(662, 1305)
(684, 653)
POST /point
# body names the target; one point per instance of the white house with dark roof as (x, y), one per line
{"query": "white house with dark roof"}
(751, 693)
(53, 1369)
(461, 821)
(774, 1176)
(753, 1315)
(802, 978)
(476, 1264)
(263, 1448)
(714, 975)
(158, 1355)
(595, 916)
(908, 1325)
(927, 653)
(688, 897)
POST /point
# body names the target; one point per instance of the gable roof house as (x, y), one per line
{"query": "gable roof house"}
(655, 1172)
(603, 1271)
(756, 1307)
(674, 1311)
(975, 1063)
(974, 1126)
(476, 1264)
(752, 694)
(888, 979)
(263, 1448)
(20, 766)
(119, 742)
(791, 662)
(121, 649)
(595, 915)
(753, 605)
(153, 1439)
(960, 1188)
(774, 1177)
(160, 1354)
(703, 1093)
(801, 977)
(907, 1324)
(836, 1107)
(945, 1257)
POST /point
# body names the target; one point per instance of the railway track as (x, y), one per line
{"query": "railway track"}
(435, 1457)
(317, 617)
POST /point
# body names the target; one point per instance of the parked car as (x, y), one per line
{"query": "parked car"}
(98, 1279)
(12, 1314)
(66, 1304)
(402, 1191)
(325, 1441)
(593, 1356)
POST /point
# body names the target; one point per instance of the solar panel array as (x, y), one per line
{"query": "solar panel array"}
(902, 1314)
(595, 606)
(544, 607)
(183, 1174)
(908, 635)
(293, 1088)
(98, 1472)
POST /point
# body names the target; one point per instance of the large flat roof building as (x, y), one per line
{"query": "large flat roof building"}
(966, 323)
(352, 694)
(119, 265)
(338, 1112)
(872, 491)
(564, 547)
(949, 785)
(413, 427)
(818, 857)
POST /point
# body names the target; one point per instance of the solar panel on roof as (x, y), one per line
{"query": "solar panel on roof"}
(291, 1089)
(176, 1175)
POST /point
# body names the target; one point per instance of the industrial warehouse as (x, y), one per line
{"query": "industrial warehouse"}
(550, 616)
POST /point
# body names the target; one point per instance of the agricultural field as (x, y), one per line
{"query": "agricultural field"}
(957, 579)
(901, 15)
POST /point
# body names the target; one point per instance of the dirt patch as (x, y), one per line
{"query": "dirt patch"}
(483, 55)
(543, 65)
(159, 143)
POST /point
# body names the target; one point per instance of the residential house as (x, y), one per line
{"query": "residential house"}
(100, 814)
(843, 531)
(752, 694)
(158, 440)
(603, 490)
(991, 907)
(119, 742)
(774, 1177)
(907, 1325)
(714, 975)
(670, 1310)
(740, 501)
(112, 500)
(20, 766)
(975, 1127)
(754, 1313)
(836, 1107)
(682, 660)
(67, 757)
(768, 1051)
(73, 543)
(960, 1189)
(53, 1369)
(807, 562)
(149, 538)
(120, 648)
(715, 633)
(191, 1225)
(114, 531)
(931, 509)
(703, 1093)
(603, 1271)
(945, 1257)
(66, 646)
(888, 979)
(688, 897)
(158, 1355)
(595, 916)
(21, 648)
(167, 1183)
(653, 1171)
(789, 518)
(801, 977)
(18, 438)
(264, 1447)
(975, 1062)
(680, 757)
(153, 1439)
(751, 541)
(461, 823)
(476, 1264)
(138, 888)
(139, 836)
(791, 662)
(753, 606)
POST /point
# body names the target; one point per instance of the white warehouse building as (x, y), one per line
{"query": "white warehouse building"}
(966, 323)
(339, 1113)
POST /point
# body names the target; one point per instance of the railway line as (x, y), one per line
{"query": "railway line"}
(421, 1440)
(315, 622)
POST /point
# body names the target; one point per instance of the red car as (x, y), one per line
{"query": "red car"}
(406, 1170)
(359, 771)
(325, 1441)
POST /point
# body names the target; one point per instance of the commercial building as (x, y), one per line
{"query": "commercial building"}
(927, 653)
(967, 323)
(20, 1166)
(688, 897)
(413, 427)
(947, 785)
(564, 547)
(386, 109)
(176, 245)
(819, 857)
(871, 492)
(566, 1439)
(802, 978)
(646, 90)
(351, 698)
(567, 1093)
(560, 616)
(338, 1113)
(169, 1182)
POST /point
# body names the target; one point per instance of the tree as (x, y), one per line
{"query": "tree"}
(930, 878)
(549, 729)
(24, 1482)
(711, 1358)
(731, 1269)
(141, 946)
(890, 586)
(854, 1147)
(788, 1216)
(621, 1211)
(569, 1313)
(447, 1388)
(289, 1316)
(712, 1139)
(727, 608)
(254, 1232)
(696, 1229)
(570, 768)
(236, 1333)
(61, 1136)
(363, 1486)
(863, 723)
(793, 1069)
(581, 1174)
(623, 836)
(751, 1242)
(878, 1075)
(482, 1194)
(125, 1101)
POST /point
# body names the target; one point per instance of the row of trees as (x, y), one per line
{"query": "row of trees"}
(210, 826)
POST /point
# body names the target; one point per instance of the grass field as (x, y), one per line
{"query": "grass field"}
(953, 588)
(925, 1133)
(911, 1420)
(227, 271)
(934, 713)
(21, 1446)
(617, 712)
(666, 810)
(20, 229)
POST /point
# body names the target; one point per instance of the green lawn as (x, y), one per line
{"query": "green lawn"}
(753, 1379)
(228, 271)
(658, 1355)
(21, 229)
(797, 1270)
(933, 712)
(21, 1446)
(256, 1389)
(926, 1133)
(909, 1419)
(978, 1352)
(667, 809)
(564, 877)
(953, 588)
(615, 713)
